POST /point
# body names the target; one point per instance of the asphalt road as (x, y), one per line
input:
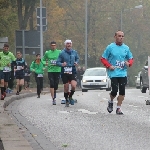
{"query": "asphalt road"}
(87, 125)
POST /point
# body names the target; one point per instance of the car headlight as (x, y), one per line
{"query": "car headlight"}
(104, 80)
(83, 81)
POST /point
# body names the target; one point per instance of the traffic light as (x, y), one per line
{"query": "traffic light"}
(44, 20)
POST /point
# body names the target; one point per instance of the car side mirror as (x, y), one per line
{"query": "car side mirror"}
(146, 67)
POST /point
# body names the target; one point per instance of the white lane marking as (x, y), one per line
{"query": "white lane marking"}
(133, 106)
(142, 97)
(64, 112)
(87, 111)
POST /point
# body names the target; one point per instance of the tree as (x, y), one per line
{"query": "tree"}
(25, 11)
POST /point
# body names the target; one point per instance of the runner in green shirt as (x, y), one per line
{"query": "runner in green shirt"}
(38, 67)
(50, 57)
(6, 58)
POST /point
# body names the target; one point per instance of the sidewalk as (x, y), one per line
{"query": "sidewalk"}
(11, 137)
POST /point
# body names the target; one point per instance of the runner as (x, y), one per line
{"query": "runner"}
(19, 68)
(50, 57)
(6, 58)
(38, 67)
(117, 57)
(68, 60)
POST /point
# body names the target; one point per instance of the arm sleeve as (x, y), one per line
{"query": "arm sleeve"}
(131, 62)
(105, 62)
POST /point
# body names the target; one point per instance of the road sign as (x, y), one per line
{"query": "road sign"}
(30, 43)
(32, 39)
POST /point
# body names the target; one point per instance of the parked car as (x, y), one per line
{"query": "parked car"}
(137, 81)
(144, 81)
(95, 78)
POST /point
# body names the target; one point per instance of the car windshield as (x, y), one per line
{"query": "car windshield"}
(95, 72)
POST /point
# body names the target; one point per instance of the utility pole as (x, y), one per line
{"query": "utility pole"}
(41, 30)
(86, 34)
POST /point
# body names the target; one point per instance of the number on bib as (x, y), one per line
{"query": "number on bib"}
(68, 70)
(40, 75)
(6, 69)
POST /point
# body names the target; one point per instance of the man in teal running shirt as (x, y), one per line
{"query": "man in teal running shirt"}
(117, 57)
(50, 57)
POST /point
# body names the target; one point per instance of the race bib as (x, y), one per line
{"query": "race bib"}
(68, 70)
(53, 62)
(6, 69)
(40, 75)
(19, 67)
(120, 64)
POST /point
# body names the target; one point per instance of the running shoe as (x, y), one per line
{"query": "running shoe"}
(110, 107)
(119, 112)
(54, 102)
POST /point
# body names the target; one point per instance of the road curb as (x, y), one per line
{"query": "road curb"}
(12, 98)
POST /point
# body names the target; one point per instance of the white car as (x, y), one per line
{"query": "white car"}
(95, 78)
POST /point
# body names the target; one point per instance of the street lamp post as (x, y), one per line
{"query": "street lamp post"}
(86, 33)
(41, 30)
